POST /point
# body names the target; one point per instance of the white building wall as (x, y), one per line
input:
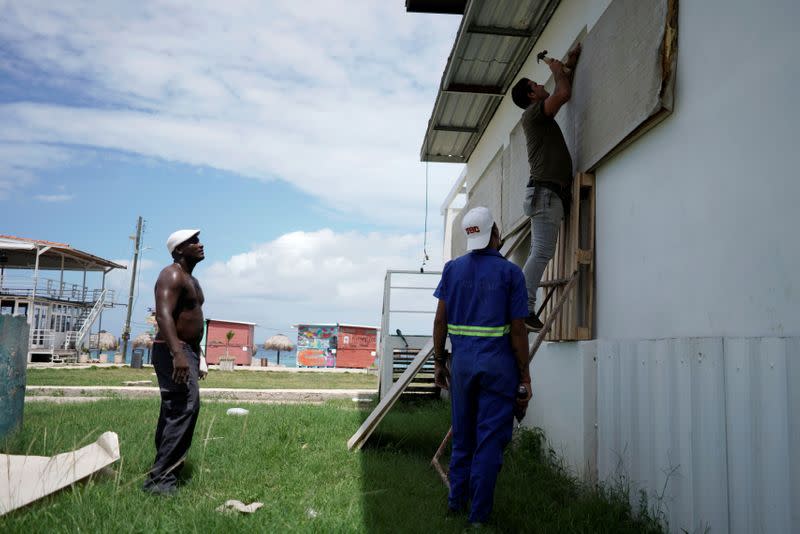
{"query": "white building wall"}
(697, 220)
(696, 390)
(567, 412)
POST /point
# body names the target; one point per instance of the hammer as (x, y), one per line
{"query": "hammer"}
(542, 56)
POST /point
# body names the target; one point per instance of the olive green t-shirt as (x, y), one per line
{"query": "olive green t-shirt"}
(548, 154)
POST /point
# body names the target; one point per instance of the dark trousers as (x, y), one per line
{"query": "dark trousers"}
(180, 405)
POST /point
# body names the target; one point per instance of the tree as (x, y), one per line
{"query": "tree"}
(228, 336)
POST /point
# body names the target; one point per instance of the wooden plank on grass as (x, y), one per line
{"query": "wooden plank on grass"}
(370, 423)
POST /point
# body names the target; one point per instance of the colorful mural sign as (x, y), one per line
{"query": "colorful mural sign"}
(316, 345)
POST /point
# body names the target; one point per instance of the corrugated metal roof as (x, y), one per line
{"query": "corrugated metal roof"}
(494, 39)
(231, 322)
(20, 253)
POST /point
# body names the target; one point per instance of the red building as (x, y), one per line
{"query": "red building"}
(336, 345)
(241, 345)
(356, 347)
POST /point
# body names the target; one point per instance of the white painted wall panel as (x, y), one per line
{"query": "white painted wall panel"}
(459, 240)
(560, 409)
(515, 177)
(488, 190)
(759, 413)
(696, 220)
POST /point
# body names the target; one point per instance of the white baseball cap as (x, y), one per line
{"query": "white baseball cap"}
(477, 225)
(178, 237)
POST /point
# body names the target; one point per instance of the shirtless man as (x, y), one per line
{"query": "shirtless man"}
(176, 360)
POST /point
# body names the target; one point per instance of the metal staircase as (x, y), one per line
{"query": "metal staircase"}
(87, 317)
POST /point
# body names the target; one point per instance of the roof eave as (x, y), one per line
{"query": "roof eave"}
(446, 86)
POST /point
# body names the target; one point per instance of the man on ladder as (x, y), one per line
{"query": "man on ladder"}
(547, 194)
(482, 306)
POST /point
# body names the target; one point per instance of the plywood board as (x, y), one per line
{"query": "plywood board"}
(24, 479)
(624, 80)
(370, 423)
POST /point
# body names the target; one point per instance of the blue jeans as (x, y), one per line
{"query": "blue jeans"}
(546, 210)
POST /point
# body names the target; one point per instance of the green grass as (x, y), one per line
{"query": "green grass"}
(294, 459)
(241, 378)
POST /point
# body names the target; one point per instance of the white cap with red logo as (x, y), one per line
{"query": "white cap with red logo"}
(477, 225)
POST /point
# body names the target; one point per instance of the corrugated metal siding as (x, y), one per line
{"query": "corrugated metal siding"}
(763, 420)
(706, 427)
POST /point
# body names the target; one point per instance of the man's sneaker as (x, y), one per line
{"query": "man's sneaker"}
(533, 323)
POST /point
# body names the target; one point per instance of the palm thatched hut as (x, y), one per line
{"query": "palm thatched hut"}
(144, 340)
(278, 343)
(103, 341)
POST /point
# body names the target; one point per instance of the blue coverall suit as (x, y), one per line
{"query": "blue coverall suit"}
(482, 292)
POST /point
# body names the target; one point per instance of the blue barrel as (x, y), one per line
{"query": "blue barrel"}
(13, 363)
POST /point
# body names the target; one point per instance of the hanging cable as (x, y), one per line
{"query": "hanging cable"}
(425, 235)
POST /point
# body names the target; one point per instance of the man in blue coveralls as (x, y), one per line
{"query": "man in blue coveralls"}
(483, 303)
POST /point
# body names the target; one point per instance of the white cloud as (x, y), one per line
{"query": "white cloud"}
(321, 276)
(331, 97)
(20, 164)
(54, 198)
(299, 277)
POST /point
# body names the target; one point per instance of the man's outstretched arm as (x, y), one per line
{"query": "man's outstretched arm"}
(563, 90)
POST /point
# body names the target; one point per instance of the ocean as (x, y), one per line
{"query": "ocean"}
(288, 359)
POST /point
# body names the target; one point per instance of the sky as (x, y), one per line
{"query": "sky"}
(288, 132)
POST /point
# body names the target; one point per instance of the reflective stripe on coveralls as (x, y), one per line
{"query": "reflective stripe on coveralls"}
(478, 331)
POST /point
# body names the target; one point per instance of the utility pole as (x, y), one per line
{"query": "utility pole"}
(126, 331)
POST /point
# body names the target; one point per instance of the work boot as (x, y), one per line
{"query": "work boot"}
(533, 323)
